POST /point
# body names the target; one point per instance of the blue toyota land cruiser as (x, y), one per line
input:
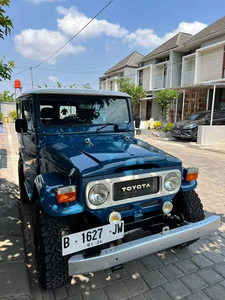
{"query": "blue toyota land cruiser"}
(91, 184)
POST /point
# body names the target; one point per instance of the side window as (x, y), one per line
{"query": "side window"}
(27, 113)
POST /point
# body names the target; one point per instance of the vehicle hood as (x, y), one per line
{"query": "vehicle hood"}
(191, 123)
(101, 155)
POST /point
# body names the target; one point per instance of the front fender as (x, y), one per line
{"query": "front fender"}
(45, 185)
(188, 185)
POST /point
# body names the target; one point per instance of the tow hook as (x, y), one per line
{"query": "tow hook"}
(117, 268)
(184, 245)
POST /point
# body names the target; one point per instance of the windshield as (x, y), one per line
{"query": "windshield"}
(196, 117)
(82, 110)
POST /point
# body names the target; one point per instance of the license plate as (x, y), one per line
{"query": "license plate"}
(177, 131)
(90, 238)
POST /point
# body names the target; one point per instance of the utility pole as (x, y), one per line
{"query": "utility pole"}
(31, 73)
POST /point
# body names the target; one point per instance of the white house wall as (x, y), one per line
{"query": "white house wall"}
(146, 79)
(130, 73)
(213, 41)
(210, 64)
(188, 70)
(176, 59)
(158, 72)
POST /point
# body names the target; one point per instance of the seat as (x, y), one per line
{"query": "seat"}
(47, 115)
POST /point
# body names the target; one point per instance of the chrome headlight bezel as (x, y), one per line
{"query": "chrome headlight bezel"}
(101, 188)
(174, 179)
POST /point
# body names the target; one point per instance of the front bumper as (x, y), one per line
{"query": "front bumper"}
(184, 134)
(120, 254)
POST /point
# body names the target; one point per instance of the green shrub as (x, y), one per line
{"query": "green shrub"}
(158, 125)
(1, 116)
(12, 114)
(165, 129)
(169, 126)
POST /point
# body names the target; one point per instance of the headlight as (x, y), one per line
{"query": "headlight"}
(171, 182)
(98, 194)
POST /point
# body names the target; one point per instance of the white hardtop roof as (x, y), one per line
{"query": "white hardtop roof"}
(60, 91)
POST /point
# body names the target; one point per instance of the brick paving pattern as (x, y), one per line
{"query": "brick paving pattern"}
(14, 279)
(196, 272)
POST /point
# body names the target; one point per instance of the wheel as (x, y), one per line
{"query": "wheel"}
(189, 205)
(195, 136)
(23, 193)
(52, 267)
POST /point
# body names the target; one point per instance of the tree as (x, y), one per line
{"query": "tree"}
(5, 29)
(86, 86)
(136, 93)
(59, 85)
(6, 69)
(5, 97)
(163, 100)
(5, 22)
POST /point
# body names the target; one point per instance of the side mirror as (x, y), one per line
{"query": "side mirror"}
(21, 126)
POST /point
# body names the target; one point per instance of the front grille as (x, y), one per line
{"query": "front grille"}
(150, 203)
(124, 208)
(135, 188)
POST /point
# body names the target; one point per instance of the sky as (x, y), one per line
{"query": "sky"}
(42, 26)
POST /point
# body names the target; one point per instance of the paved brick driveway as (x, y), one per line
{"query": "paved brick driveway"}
(196, 272)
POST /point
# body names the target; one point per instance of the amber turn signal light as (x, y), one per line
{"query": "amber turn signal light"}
(190, 174)
(66, 194)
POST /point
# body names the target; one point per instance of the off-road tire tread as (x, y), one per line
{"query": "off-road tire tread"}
(189, 204)
(54, 266)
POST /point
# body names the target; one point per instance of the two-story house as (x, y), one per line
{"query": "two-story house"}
(160, 69)
(193, 65)
(203, 68)
(123, 69)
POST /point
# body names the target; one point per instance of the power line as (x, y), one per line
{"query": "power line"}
(20, 72)
(75, 34)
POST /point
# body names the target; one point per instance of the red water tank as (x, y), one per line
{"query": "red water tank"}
(17, 84)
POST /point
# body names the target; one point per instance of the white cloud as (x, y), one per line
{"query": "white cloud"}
(53, 79)
(110, 46)
(40, 44)
(73, 21)
(147, 38)
(40, 1)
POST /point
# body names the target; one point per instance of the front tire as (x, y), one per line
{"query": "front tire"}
(189, 205)
(52, 267)
(195, 136)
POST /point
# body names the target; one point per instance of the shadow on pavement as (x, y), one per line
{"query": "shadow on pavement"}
(3, 158)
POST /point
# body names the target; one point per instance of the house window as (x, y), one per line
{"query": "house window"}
(140, 77)
(223, 74)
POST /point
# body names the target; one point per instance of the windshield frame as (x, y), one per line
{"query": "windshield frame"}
(77, 126)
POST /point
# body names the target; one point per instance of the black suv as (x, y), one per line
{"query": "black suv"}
(188, 128)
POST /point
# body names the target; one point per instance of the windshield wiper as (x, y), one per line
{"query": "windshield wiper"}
(107, 124)
(116, 127)
(68, 124)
